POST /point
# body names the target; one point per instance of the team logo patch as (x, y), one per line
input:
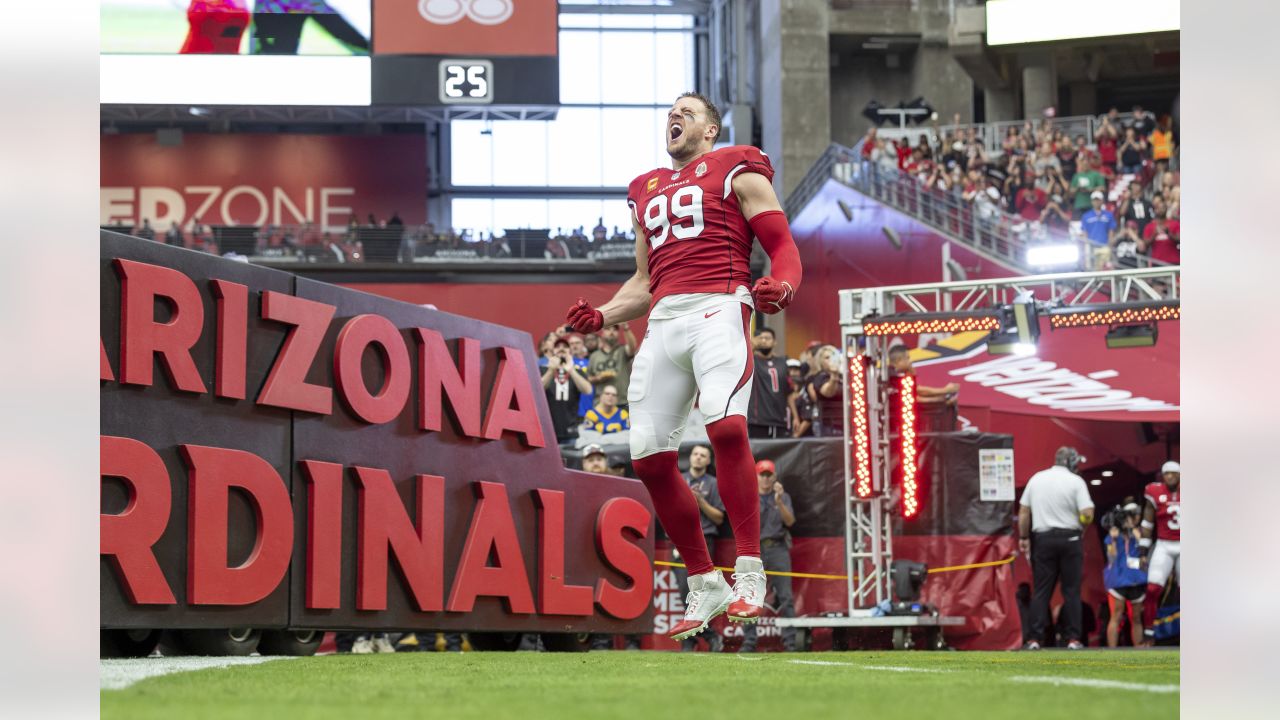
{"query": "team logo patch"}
(653, 183)
(701, 169)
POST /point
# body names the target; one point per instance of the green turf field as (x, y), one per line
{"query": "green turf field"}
(653, 686)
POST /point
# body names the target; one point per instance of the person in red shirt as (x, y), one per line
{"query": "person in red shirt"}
(1163, 236)
(1108, 141)
(215, 27)
(694, 224)
(1031, 201)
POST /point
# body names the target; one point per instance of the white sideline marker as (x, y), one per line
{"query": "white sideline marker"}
(1094, 683)
(887, 668)
(120, 673)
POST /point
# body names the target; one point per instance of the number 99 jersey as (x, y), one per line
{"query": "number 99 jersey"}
(1168, 505)
(698, 240)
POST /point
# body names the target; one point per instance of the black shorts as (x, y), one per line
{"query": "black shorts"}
(1132, 593)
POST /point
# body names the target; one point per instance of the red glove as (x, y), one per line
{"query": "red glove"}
(584, 318)
(771, 295)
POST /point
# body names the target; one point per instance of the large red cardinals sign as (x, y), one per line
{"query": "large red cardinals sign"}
(278, 452)
(278, 179)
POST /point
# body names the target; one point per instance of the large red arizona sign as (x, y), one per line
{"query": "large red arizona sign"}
(246, 179)
(281, 452)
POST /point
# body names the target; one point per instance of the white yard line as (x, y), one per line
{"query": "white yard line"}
(1094, 683)
(120, 673)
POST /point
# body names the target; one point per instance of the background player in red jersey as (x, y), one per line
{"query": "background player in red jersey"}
(1161, 518)
(694, 223)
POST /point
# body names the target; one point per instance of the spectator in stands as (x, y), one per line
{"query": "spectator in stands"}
(768, 410)
(1127, 245)
(1011, 138)
(610, 364)
(594, 460)
(605, 417)
(557, 248)
(798, 401)
(173, 236)
(1098, 223)
(1162, 144)
(599, 232)
(592, 343)
(1055, 506)
(1108, 140)
(1124, 575)
(546, 349)
(578, 350)
(1142, 121)
(1067, 154)
(1030, 201)
(395, 220)
(827, 393)
(1163, 236)
(1087, 181)
(563, 384)
(1134, 208)
(146, 232)
(776, 517)
(711, 511)
(1132, 150)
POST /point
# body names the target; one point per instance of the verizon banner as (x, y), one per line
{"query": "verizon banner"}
(1072, 374)
(282, 179)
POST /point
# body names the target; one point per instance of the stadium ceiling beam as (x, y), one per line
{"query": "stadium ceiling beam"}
(1116, 288)
(200, 114)
(674, 7)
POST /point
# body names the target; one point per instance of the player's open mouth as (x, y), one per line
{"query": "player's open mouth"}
(676, 131)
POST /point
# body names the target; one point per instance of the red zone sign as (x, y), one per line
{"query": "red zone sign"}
(279, 452)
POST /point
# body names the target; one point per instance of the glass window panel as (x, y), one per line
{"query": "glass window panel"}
(626, 21)
(673, 21)
(474, 214)
(519, 213)
(673, 66)
(520, 149)
(628, 68)
(579, 67)
(634, 138)
(471, 154)
(575, 20)
(575, 148)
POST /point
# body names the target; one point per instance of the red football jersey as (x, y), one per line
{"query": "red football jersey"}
(1168, 509)
(698, 240)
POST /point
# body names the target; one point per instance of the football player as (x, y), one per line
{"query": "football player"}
(694, 224)
(1161, 518)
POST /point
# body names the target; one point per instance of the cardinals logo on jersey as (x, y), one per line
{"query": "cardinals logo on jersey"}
(701, 169)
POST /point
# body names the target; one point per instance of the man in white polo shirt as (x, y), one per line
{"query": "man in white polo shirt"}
(1054, 509)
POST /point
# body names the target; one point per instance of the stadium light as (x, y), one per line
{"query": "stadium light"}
(1053, 255)
(1084, 315)
(931, 323)
(907, 431)
(860, 425)
(1131, 336)
(1019, 329)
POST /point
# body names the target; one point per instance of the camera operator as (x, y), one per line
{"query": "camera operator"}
(1125, 576)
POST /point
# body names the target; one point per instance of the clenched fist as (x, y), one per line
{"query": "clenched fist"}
(584, 318)
(772, 296)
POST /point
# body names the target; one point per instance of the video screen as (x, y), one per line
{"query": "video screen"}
(236, 27)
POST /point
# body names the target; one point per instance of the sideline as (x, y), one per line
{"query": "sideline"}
(120, 673)
(820, 576)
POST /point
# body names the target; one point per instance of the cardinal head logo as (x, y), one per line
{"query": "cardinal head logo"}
(484, 12)
(701, 169)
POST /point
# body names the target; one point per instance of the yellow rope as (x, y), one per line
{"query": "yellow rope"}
(818, 576)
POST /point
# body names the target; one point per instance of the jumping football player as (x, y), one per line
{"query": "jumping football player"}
(694, 223)
(1161, 517)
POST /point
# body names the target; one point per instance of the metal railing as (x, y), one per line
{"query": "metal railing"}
(408, 244)
(992, 134)
(981, 225)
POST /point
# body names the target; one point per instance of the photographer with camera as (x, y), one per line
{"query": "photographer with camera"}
(564, 384)
(1125, 574)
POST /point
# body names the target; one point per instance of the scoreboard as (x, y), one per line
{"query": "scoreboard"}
(466, 80)
(465, 52)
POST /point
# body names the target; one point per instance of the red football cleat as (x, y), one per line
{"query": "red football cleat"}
(748, 591)
(708, 596)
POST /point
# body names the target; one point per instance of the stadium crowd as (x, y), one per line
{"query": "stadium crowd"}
(1121, 192)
